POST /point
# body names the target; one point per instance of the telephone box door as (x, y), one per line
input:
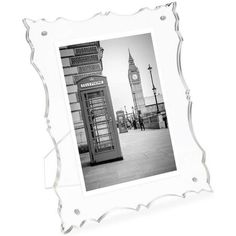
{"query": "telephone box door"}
(99, 122)
(120, 115)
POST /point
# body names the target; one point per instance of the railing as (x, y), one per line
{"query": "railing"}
(153, 122)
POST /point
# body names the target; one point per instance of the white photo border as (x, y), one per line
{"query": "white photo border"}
(120, 185)
(32, 35)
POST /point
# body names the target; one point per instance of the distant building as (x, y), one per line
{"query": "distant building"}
(136, 87)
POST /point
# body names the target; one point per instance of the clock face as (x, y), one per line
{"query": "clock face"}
(134, 76)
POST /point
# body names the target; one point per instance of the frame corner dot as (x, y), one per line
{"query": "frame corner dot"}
(44, 33)
(163, 17)
(194, 179)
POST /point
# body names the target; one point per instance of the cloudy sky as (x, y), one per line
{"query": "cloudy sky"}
(115, 67)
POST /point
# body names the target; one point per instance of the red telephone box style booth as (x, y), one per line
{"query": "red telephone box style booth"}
(99, 120)
(120, 115)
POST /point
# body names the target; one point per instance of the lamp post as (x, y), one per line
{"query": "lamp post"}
(126, 113)
(153, 88)
(133, 112)
(126, 116)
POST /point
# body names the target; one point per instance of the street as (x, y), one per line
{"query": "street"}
(146, 153)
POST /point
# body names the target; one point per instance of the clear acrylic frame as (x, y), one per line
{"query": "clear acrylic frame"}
(62, 164)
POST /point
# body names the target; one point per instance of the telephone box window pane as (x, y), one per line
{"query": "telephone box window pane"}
(99, 123)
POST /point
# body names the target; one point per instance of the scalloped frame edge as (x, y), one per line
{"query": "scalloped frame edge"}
(55, 143)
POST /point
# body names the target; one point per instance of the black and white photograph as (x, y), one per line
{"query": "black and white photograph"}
(118, 110)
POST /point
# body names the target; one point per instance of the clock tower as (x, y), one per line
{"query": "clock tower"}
(136, 87)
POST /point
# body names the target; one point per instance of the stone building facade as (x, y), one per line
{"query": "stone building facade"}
(80, 61)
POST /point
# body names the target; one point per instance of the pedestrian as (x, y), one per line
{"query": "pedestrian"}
(165, 120)
(134, 124)
(140, 120)
(129, 124)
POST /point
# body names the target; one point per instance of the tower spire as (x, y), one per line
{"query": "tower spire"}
(131, 60)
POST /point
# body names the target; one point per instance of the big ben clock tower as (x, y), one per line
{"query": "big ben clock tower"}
(136, 87)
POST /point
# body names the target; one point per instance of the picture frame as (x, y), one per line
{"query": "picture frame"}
(55, 46)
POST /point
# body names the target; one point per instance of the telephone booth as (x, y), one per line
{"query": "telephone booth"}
(120, 115)
(99, 120)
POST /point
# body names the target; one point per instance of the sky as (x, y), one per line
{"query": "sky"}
(115, 67)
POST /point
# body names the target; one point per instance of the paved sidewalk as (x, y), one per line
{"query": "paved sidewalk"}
(146, 153)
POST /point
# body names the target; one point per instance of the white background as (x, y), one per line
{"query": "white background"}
(208, 61)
